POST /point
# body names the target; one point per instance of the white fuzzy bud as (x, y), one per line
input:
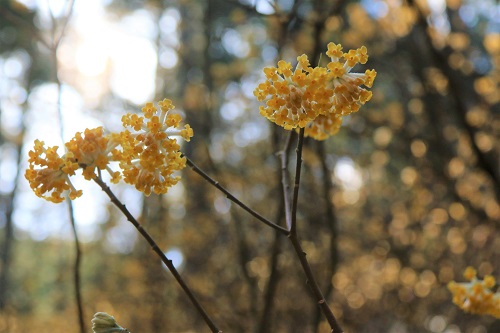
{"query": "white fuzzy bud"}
(104, 323)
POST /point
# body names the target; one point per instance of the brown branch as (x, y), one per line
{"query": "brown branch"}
(296, 185)
(293, 237)
(331, 222)
(264, 325)
(67, 16)
(285, 181)
(311, 281)
(334, 10)
(159, 252)
(76, 270)
(244, 256)
(231, 197)
(78, 253)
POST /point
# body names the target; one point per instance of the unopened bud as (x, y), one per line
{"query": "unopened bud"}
(104, 323)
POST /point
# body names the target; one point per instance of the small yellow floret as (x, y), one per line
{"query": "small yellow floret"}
(334, 50)
(489, 281)
(470, 273)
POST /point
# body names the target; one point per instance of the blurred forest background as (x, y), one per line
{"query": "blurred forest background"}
(390, 210)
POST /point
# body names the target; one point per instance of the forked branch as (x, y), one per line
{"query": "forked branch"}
(231, 197)
(293, 237)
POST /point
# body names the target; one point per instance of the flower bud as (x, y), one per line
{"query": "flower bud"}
(104, 323)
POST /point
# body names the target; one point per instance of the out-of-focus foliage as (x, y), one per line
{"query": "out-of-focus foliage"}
(391, 209)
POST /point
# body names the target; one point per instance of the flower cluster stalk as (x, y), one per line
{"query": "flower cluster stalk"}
(159, 252)
(294, 239)
(231, 197)
(290, 206)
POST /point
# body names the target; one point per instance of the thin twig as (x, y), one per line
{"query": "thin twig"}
(284, 180)
(311, 281)
(298, 168)
(77, 269)
(293, 237)
(53, 25)
(78, 252)
(318, 29)
(331, 222)
(264, 323)
(67, 16)
(231, 197)
(159, 252)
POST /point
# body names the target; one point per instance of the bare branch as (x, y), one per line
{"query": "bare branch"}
(231, 197)
(159, 252)
(298, 168)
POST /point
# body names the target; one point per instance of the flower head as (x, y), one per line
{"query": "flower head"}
(151, 155)
(314, 97)
(147, 152)
(48, 173)
(476, 296)
(94, 150)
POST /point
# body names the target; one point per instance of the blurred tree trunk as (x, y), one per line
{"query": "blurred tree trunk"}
(7, 206)
(6, 250)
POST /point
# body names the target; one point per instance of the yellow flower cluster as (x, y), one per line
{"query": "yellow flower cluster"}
(476, 296)
(146, 151)
(150, 154)
(94, 150)
(315, 98)
(51, 178)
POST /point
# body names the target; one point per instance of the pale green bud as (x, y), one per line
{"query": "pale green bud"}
(104, 323)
